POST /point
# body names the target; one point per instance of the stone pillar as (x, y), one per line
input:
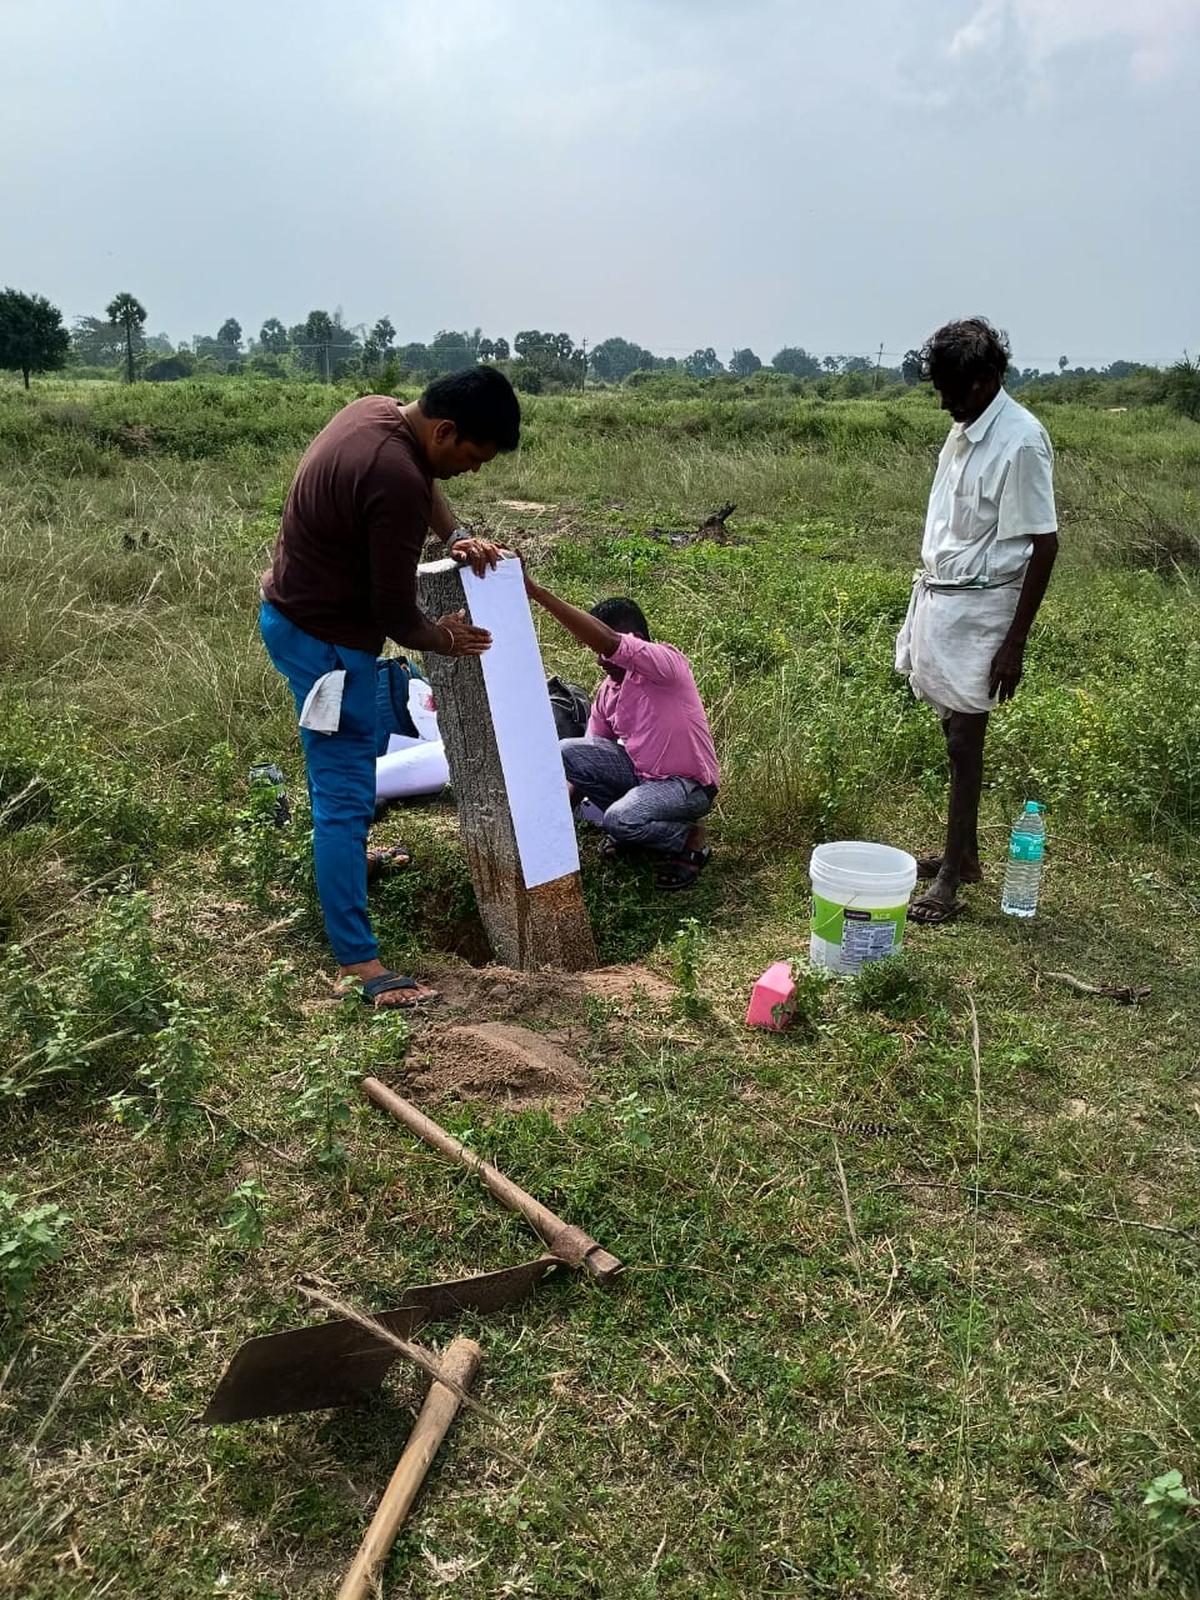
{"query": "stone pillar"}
(527, 928)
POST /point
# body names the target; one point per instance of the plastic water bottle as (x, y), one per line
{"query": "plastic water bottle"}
(1023, 874)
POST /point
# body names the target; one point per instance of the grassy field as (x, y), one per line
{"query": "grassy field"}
(912, 1299)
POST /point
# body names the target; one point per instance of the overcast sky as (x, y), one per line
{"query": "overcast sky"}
(832, 173)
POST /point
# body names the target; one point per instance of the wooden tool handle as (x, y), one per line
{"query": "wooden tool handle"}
(570, 1243)
(460, 1363)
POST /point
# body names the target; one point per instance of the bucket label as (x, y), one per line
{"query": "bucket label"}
(861, 935)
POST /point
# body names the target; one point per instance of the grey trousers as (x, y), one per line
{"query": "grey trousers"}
(653, 814)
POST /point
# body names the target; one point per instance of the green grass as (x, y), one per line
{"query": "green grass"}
(906, 1387)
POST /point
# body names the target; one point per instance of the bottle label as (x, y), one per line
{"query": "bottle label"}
(1026, 846)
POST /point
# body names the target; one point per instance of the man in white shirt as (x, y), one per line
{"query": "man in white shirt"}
(990, 544)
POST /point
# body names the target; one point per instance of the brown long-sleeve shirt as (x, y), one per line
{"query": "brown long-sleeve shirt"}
(353, 526)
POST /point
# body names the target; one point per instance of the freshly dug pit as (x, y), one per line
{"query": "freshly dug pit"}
(498, 1064)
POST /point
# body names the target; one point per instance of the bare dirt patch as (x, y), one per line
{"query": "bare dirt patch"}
(504, 993)
(499, 1064)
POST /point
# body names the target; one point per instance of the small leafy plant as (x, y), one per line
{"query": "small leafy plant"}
(686, 949)
(245, 1219)
(324, 1103)
(1169, 1503)
(29, 1240)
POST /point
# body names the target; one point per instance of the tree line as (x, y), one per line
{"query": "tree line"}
(34, 339)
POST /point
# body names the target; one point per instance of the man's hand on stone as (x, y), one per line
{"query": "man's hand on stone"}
(478, 554)
(1007, 666)
(462, 637)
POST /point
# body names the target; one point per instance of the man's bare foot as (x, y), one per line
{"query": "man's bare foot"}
(404, 997)
(928, 867)
(939, 903)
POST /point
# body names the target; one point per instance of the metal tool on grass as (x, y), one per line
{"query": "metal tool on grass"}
(569, 1244)
(441, 1406)
(341, 1362)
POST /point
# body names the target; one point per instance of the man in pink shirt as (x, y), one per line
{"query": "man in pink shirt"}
(647, 761)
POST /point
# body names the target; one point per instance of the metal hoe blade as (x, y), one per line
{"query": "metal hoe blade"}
(337, 1363)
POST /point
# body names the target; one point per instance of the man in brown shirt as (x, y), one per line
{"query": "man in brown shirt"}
(344, 578)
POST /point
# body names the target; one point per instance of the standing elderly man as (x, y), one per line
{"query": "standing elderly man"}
(990, 543)
(344, 578)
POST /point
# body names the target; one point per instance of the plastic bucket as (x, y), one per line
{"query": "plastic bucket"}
(860, 898)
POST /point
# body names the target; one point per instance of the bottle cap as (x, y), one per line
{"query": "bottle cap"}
(1032, 805)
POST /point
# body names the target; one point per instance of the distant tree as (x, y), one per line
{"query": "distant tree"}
(1062, 363)
(96, 343)
(703, 364)
(612, 360)
(1182, 386)
(273, 337)
(795, 360)
(128, 313)
(230, 333)
(414, 358)
(265, 365)
(451, 351)
(830, 363)
(313, 339)
(858, 364)
(910, 367)
(487, 350)
(32, 337)
(170, 368)
(743, 363)
(383, 335)
(159, 344)
(500, 349)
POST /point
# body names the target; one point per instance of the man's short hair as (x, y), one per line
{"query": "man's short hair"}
(480, 402)
(622, 616)
(960, 351)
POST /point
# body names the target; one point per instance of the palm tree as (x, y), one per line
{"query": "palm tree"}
(128, 312)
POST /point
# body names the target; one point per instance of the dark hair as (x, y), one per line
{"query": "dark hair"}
(622, 616)
(480, 402)
(960, 351)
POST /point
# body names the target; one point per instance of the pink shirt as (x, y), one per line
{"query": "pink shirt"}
(655, 712)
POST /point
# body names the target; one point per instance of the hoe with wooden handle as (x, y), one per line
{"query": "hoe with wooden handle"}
(441, 1405)
(569, 1244)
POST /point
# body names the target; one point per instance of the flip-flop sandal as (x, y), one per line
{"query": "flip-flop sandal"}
(681, 870)
(381, 862)
(391, 983)
(935, 915)
(609, 849)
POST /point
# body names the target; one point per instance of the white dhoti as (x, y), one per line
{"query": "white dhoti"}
(949, 639)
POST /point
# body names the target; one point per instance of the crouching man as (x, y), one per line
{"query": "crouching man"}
(647, 761)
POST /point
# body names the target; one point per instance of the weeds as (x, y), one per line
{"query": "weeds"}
(245, 1216)
(323, 1105)
(30, 1239)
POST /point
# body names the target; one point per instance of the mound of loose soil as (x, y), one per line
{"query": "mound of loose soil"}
(503, 992)
(498, 1064)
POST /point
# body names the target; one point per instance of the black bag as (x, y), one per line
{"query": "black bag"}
(571, 708)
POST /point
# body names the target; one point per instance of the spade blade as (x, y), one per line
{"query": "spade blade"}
(338, 1363)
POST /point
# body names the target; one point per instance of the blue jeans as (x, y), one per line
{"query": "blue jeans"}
(652, 813)
(341, 778)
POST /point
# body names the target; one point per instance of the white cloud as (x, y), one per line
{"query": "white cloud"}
(1155, 31)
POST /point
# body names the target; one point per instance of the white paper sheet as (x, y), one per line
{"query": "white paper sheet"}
(524, 722)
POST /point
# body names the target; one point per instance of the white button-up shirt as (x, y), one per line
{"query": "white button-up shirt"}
(992, 495)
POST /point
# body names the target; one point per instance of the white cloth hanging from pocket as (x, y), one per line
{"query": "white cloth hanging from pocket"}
(322, 708)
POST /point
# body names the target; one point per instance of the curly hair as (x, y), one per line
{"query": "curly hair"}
(960, 351)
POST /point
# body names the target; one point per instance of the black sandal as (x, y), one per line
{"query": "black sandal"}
(392, 983)
(680, 871)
